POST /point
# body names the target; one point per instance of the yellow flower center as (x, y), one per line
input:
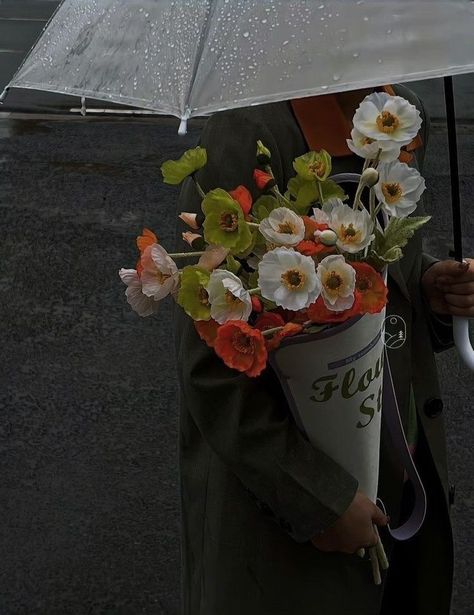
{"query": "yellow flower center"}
(229, 222)
(333, 281)
(293, 279)
(392, 192)
(318, 168)
(230, 298)
(387, 122)
(243, 343)
(349, 233)
(203, 296)
(287, 227)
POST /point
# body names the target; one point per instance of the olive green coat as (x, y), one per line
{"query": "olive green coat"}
(254, 491)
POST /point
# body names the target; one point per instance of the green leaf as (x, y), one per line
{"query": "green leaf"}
(174, 171)
(232, 264)
(387, 246)
(332, 190)
(263, 206)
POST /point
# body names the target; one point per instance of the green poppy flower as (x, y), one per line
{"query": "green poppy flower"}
(224, 222)
(174, 171)
(192, 295)
(313, 165)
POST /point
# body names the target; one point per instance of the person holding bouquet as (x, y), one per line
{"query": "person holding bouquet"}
(271, 524)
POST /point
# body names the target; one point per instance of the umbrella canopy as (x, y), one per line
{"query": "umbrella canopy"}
(200, 56)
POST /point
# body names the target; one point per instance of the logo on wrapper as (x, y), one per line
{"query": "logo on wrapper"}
(395, 332)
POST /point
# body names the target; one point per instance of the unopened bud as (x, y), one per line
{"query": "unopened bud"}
(192, 220)
(369, 177)
(327, 237)
(263, 153)
(195, 240)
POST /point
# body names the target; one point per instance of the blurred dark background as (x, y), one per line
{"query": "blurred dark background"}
(89, 498)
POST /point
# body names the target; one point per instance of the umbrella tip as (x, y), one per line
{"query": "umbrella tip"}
(3, 95)
(183, 127)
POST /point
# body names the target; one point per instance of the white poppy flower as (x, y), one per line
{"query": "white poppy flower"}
(387, 118)
(353, 228)
(283, 227)
(337, 280)
(365, 147)
(399, 188)
(140, 303)
(288, 278)
(160, 275)
(228, 298)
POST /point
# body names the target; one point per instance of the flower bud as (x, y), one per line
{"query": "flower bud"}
(263, 154)
(263, 180)
(194, 221)
(369, 177)
(327, 237)
(195, 240)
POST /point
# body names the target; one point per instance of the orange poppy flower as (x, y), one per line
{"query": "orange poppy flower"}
(207, 330)
(319, 313)
(148, 238)
(371, 287)
(291, 328)
(310, 248)
(263, 179)
(243, 197)
(241, 347)
(269, 320)
(310, 226)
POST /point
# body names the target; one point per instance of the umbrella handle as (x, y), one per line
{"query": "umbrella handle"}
(462, 340)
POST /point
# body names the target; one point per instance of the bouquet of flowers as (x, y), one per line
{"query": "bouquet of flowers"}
(292, 263)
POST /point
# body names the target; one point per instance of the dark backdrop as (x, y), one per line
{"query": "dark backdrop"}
(89, 501)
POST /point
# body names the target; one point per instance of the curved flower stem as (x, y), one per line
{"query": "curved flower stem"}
(253, 224)
(186, 254)
(372, 204)
(280, 196)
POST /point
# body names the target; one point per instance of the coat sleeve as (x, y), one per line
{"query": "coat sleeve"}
(246, 421)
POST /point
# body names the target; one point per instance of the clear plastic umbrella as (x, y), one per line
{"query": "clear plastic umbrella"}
(201, 56)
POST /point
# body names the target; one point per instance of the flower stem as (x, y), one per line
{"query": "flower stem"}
(198, 186)
(253, 224)
(254, 291)
(375, 565)
(269, 332)
(381, 551)
(320, 192)
(186, 254)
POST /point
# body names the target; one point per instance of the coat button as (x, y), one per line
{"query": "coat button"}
(433, 407)
(452, 493)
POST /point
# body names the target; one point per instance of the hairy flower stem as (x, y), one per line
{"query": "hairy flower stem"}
(185, 254)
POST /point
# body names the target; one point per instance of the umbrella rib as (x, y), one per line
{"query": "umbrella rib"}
(198, 56)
